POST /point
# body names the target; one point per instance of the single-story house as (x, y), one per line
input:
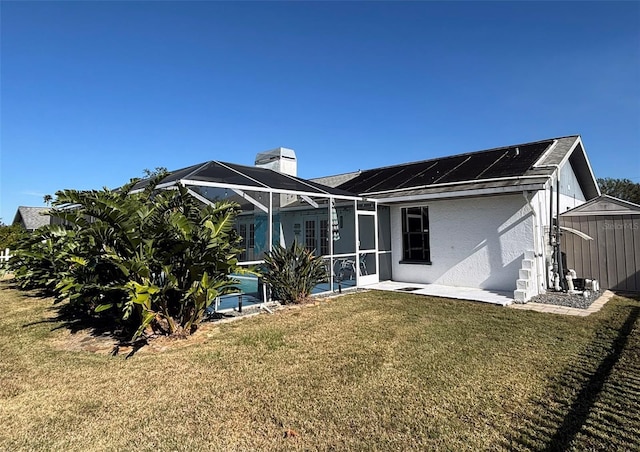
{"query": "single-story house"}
(31, 218)
(478, 220)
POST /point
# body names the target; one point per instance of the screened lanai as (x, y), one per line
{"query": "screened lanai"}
(278, 209)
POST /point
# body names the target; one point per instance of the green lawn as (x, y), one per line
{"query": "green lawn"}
(367, 371)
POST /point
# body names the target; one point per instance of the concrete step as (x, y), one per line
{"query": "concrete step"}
(520, 296)
(525, 273)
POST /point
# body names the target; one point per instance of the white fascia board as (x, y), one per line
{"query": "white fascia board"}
(586, 159)
(545, 154)
(252, 200)
(200, 198)
(199, 183)
(165, 185)
(451, 184)
(463, 194)
(67, 206)
(157, 187)
(310, 201)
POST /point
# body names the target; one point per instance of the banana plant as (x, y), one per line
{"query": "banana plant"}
(152, 259)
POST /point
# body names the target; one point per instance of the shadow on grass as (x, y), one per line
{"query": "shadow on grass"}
(594, 404)
(105, 328)
(10, 283)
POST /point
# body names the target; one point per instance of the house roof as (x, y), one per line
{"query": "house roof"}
(604, 205)
(527, 166)
(32, 217)
(222, 174)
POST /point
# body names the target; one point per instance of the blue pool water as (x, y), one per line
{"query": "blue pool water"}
(248, 285)
(252, 295)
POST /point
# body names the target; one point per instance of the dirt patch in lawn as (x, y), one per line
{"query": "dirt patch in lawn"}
(107, 343)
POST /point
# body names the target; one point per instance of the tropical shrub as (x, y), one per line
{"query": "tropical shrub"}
(9, 235)
(291, 273)
(153, 259)
(41, 259)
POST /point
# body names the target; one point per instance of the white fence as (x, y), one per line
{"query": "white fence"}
(4, 256)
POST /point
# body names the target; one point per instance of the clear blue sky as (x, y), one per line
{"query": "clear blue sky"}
(92, 93)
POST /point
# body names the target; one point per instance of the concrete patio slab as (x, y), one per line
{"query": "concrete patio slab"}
(486, 296)
(436, 290)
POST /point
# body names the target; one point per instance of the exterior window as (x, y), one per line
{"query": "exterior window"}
(415, 235)
(310, 235)
(324, 237)
(252, 236)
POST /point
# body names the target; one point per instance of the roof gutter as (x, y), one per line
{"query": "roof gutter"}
(199, 183)
(463, 194)
(451, 184)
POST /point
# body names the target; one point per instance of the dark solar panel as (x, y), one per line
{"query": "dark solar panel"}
(494, 163)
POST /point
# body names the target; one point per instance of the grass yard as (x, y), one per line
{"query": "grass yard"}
(368, 371)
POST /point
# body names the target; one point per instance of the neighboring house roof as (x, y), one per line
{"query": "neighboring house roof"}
(604, 205)
(527, 166)
(32, 218)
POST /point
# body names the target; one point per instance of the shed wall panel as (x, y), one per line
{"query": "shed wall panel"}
(629, 256)
(613, 257)
(602, 254)
(621, 269)
(592, 227)
(636, 248)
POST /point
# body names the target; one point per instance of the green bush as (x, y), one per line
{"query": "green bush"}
(41, 259)
(157, 259)
(291, 273)
(10, 235)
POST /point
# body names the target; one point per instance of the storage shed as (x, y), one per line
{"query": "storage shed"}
(613, 255)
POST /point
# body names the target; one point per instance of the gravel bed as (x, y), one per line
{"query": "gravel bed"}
(568, 300)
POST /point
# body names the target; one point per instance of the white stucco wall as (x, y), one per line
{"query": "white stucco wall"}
(570, 192)
(475, 242)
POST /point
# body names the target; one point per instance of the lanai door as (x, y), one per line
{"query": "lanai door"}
(367, 247)
(316, 235)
